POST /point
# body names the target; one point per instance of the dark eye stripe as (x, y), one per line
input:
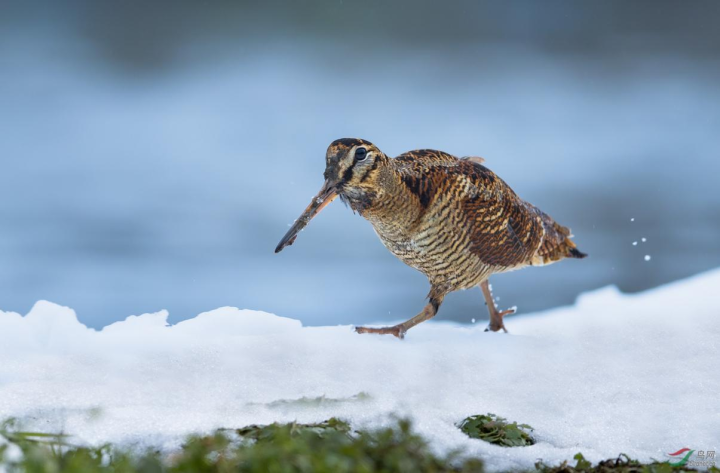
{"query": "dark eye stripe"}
(348, 174)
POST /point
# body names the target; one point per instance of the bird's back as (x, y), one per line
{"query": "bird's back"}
(462, 222)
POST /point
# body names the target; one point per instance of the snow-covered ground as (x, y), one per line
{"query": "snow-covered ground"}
(615, 373)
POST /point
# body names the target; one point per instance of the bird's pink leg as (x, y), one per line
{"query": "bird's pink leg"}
(428, 312)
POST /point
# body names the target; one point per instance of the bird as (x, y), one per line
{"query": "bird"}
(451, 218)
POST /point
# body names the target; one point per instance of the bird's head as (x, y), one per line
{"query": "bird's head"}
(351, 166)
(350, 162)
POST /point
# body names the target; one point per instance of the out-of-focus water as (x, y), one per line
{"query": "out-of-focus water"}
(126, 191)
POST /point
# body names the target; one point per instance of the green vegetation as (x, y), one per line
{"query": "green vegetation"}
(497, 430)
(330, 446)
(326, 447)
(315, 402)
(621, 464)
(268, 433)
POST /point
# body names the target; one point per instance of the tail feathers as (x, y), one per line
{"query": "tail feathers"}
(575, 253)
(556, 244)
(564, 249)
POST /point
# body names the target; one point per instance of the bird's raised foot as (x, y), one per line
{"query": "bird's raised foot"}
(496, 320)
(397, 330)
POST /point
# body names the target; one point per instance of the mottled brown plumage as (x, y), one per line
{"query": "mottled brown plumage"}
(452, 219)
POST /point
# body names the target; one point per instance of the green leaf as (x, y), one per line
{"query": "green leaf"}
(496, 430)
(581, 464)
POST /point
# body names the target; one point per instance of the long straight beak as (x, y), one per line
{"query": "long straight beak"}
(326, 195)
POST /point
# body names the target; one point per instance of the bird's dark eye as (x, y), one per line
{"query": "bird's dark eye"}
(360, 154)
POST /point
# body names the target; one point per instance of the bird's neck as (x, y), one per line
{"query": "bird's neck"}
(389, 203)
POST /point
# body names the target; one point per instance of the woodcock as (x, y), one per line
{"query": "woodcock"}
(452, 219)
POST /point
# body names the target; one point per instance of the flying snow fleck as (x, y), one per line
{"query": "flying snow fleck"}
(647, 258)
(644, 240)
(634, 243)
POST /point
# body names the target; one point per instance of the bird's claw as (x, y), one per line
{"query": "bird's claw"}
(496, 328)
(496, 321)
(508, 312)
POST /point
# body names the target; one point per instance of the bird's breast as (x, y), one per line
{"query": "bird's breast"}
(432, 242)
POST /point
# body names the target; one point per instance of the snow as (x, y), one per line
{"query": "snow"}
(614, 373)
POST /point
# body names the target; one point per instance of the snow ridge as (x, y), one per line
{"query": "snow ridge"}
(614, 373)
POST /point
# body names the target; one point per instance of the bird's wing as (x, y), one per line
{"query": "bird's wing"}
(504, 230)
(424, 172)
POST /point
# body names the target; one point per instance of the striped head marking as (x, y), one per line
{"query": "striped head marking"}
(350, 162)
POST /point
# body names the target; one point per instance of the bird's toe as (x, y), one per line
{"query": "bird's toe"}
(396, 331)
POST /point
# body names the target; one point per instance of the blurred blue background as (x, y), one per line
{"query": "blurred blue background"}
(153, 154)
